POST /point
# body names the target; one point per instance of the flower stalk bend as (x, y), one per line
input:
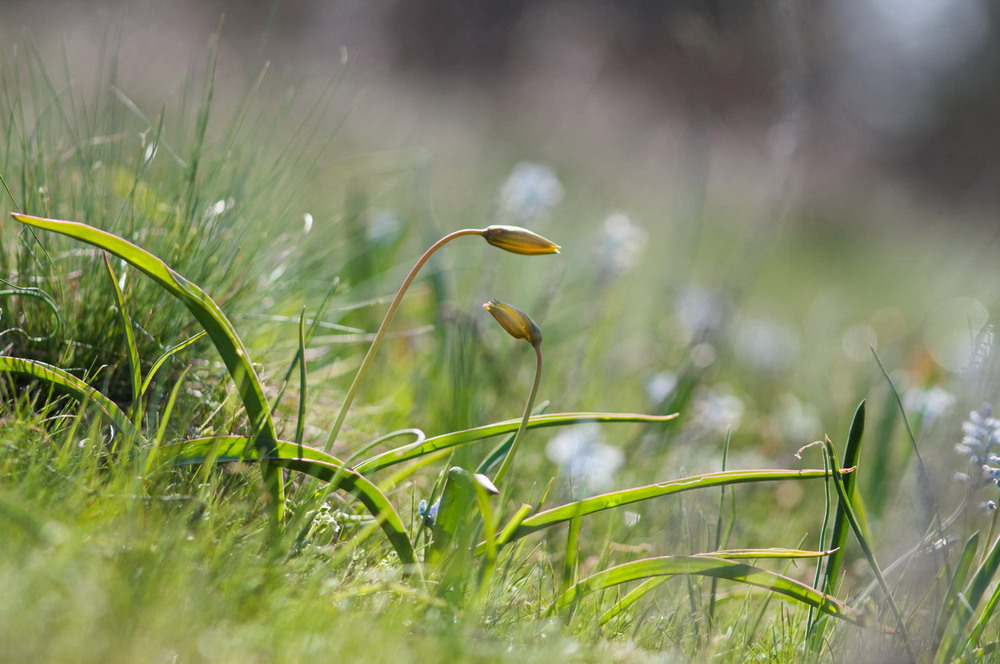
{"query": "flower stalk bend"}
(509, 238)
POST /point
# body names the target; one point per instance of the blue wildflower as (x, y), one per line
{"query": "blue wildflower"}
(429, 514)
(981, 435)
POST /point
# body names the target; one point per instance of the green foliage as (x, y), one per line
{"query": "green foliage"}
(135, 516)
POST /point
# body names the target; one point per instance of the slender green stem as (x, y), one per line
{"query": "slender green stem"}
(508, 460)
(383, 328)
(845, 501)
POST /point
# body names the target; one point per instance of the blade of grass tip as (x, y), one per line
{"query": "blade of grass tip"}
(10, 194)
(563, 513)
(520, 515)
(466, 436)
(953, 597)
(980, 582)
(221, 331)
(161, 431)
(314, 325)
(838, 538)
(166, 355)
(926, 491)
(201, 123)
(300, 423)
(708, 566)
(135, 411)
(845, 499)
(82, 391)
(633, 596)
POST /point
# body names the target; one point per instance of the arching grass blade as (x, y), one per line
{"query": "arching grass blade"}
(714, 567)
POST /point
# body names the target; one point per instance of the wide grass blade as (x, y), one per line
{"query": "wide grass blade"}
(304, 459)
(209, 315)
(72, 385)
(615, 499)
(466, 436)
(713, 567)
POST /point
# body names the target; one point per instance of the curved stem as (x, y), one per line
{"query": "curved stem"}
(509, 459)
(383, 328)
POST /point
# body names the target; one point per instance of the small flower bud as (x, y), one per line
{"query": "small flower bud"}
(519, 240)
(485, 482)
(516, 322)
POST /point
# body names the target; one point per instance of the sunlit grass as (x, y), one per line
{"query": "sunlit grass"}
(139, 528)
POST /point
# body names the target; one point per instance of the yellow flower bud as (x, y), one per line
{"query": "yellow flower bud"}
(517, 323)
(519, 240)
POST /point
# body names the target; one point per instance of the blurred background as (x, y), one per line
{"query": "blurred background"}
(894, 101)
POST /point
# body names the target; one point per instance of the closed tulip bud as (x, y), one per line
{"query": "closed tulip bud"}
(517, 323)
(519, 240)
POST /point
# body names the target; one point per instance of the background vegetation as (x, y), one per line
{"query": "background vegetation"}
(749, 304)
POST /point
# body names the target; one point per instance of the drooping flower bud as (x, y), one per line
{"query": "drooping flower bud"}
(519, 240)
(517, 323)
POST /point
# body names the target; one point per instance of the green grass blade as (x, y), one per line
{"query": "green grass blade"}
(72, 385)
(634, 595)
(859, 533)
(519, 516)
(303, 459)
(953, 597)
(133, 350)
(205, 310)
(615, 499)
(167, 354)
(45, 299)
(838, 537)
(498, 452)
(713, 567)
(769, 552)
(161, 430)
(300, 423)
(985, 616)
(466, 436)
(649, 585)
(981, 580)
(240, 448)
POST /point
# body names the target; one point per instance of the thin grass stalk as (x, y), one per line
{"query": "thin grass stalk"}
(838, 537)
(383, 328)
(845, 499)
(519, 436)
(135, 411)
(300, 423)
